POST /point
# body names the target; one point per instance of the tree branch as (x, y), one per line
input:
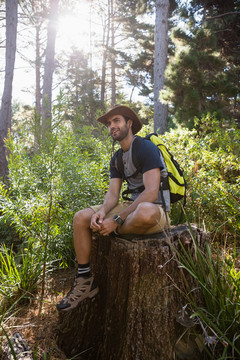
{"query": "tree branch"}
(222, 15)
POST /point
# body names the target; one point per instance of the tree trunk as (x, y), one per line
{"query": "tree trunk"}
(37, 131)
(113, 61)
(106, 33)
(160, 61)
(6, 107)
(49, 69)
(134, 315)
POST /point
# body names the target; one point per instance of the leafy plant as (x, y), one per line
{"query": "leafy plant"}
(18, 276)
(210, 161)
(46, 188)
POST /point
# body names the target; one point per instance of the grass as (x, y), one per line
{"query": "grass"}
(218, 286)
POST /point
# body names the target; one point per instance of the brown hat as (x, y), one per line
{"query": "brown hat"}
(124, 111)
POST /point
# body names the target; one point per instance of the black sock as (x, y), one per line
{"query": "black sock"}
(84, 270)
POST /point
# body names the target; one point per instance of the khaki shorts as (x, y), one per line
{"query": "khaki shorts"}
(162, 224)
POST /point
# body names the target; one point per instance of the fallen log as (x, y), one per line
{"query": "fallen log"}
(141, 292)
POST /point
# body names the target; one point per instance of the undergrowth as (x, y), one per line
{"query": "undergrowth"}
(215, 309)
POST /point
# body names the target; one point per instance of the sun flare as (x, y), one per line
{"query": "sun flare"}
(74, 29)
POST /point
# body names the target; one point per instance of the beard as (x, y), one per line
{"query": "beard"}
(119, 134)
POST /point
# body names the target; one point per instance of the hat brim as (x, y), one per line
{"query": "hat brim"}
(124, 111)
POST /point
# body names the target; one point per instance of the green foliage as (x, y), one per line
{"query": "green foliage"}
(80, 90)
(221, 18)
(19, 274)
(46, 188)
(8, 232)
(198, 79)
(9, 274)
(218, 285)
(210, 159)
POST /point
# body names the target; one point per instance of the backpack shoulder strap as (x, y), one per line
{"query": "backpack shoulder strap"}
(119, 161)
(135, 149)
(149, 136)
(119, 157)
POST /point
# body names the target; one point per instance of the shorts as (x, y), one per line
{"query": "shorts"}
(162, 224)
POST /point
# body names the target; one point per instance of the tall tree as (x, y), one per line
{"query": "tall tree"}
(160, 62)
(81, 90)
(136, 56)
(6, 107)
(34, 14)
(222, 17)
(105, 44)
(49, 68)
(113, 62)
(122, 44)
(203, 74)
(39, 9)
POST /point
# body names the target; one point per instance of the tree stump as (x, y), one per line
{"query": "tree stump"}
(134, 315)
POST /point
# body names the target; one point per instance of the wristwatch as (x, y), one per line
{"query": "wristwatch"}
(118, 219)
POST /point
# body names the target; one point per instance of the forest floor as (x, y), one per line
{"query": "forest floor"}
(38, 326)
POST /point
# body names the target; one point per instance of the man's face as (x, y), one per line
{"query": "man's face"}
(118, 127)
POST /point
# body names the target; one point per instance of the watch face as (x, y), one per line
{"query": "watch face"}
(118, 219)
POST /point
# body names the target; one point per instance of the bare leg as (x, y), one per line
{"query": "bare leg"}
(83, 286)
(144, 217)
(82, 235)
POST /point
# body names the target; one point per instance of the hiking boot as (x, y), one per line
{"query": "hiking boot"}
(82, 288)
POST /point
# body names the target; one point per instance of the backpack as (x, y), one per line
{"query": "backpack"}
(174, 182)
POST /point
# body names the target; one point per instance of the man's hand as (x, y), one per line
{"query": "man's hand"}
(108, 226)
(97, 220)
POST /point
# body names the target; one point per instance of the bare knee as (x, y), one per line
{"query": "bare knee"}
(82, 218)
(147, 213)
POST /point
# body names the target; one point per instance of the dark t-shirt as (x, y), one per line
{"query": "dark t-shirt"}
(148, 158)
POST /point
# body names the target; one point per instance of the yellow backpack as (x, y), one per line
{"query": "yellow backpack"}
(176, 183)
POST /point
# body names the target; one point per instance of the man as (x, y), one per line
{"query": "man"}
(143, 215)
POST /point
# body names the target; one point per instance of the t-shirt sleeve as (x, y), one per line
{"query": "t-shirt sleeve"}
(148, 156)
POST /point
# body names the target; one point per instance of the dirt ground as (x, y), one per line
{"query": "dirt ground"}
(38, 327)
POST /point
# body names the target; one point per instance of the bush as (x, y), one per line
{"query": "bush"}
(47, 187)
(211, 167)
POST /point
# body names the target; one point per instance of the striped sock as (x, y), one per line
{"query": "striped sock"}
(84, 270)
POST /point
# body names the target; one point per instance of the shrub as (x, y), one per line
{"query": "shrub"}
(212, 170)
(46, 188)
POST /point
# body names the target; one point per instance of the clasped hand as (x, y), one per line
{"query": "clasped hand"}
(101, 225)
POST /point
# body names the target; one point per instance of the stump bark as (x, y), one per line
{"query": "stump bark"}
(134, 315)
